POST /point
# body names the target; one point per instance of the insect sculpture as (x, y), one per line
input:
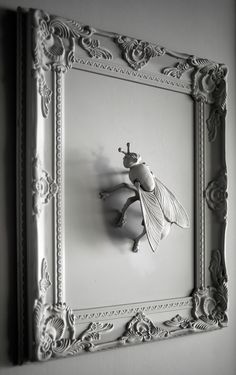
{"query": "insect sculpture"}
(159, 206)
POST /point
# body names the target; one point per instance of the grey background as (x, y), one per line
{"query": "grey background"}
(205, 28)
(101, 269)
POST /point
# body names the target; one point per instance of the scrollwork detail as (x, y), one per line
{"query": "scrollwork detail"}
(219, 280)
(45, 92)
(44, 187)
(217, 115)
(208, 85)
(216, 195)
(218, 111)
(178, 70)
(210, 304)
(142, 329)
(137, 53)
(54, 41)
(92, 46)
(203, 302)
(54, 326)
(209, 80)
(178, 323)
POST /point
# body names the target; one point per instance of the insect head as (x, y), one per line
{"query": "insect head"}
(130, 158)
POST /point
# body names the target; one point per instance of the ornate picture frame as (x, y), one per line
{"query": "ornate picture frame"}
(49, 47)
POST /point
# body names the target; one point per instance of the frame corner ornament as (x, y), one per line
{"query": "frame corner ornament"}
(212, 302)
(54, 326)
(54, 40)
(209, 86)
(219, 278)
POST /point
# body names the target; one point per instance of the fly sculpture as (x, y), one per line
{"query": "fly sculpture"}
(159, 206)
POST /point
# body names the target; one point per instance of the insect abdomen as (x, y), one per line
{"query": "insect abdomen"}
(142, 173)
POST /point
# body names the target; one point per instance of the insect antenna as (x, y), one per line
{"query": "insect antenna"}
(120, 150)
(128, 149)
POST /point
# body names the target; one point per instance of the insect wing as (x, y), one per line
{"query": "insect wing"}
(172, 209)
(153, 217)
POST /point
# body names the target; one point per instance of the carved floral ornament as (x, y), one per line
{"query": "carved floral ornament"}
(216, 195)
(55, 39)
(55, 325)
(44, 187)
(138, 53)
(209, 86)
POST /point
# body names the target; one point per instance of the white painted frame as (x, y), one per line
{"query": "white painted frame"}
(48, 47)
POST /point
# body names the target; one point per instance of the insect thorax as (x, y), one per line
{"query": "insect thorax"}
(142, 174)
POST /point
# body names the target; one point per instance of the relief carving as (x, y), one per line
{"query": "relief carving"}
(44, 187)
(54, 41)
(178, 70)
(45, 93)
(138, 53)
(219, 280)
(45, 281)
(208, 77)
(178, 324)
(203, 302)
(54, 325)
(208, 86)
(92, 46)
(142, 329)
(216, 195)
(55, 333)
(210, 304)
(218, 110)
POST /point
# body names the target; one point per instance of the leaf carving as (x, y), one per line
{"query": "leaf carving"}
(53, 49)
(66, 347)
(45, 93)
(92, 46)
(38, 313)
(178, 70)
(44, 282)
(94, 330)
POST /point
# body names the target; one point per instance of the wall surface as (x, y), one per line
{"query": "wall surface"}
(204, 28)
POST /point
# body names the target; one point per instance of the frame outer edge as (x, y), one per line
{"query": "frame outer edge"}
(33, 222)
(20, 194)
(35, 250)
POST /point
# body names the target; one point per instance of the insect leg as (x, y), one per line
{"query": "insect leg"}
(129, 201)
(137, 240)
(105, 193)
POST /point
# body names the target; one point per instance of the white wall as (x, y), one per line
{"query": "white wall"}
(205, 28)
